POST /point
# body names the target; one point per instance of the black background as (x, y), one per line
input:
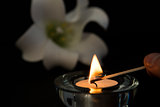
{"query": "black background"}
(133, 32)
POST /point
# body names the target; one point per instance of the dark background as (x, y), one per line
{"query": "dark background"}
(133, 32)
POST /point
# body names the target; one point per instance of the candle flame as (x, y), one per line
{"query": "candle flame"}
(95, 69)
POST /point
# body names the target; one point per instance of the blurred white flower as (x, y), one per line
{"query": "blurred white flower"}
(58, 39)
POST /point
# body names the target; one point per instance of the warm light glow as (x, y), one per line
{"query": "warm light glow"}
(95, 91)
(95, 69)
(95, 74)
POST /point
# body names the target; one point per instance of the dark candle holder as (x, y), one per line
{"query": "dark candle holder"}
(71, 95)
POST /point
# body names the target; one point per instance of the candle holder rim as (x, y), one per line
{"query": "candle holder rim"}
(81, 73)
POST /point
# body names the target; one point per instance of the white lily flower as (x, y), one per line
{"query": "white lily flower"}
(58, 39)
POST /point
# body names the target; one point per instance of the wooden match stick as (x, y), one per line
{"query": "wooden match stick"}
(123, 72)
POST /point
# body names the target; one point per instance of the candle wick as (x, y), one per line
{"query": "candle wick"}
(95, 84)
(93, 81)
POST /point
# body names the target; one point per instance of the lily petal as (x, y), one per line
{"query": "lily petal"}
(47, 10)
(89, 45)
(75, 14)
(32, 44)
(94, 14)
(57, 56)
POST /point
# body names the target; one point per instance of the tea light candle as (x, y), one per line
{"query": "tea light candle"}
(105, 83)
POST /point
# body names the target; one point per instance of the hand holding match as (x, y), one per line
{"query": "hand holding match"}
(152, 64)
